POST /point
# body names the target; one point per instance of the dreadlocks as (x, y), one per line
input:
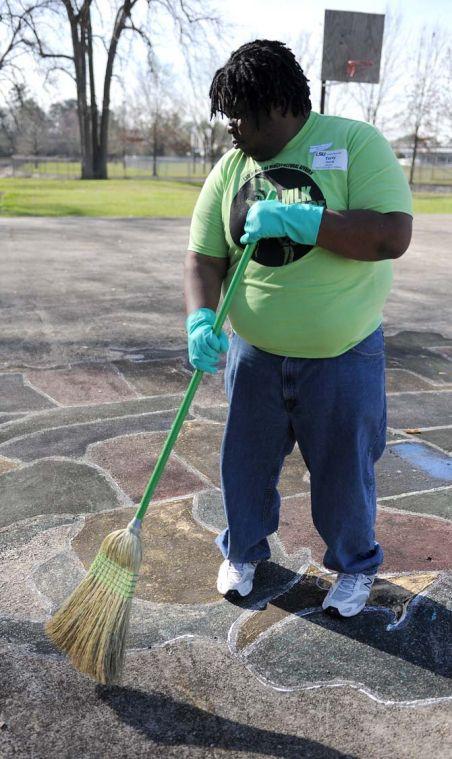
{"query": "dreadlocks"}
(258, 76)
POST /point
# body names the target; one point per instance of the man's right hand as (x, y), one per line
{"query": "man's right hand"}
(204, 347)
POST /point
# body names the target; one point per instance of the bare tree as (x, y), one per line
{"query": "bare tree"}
(89, 42)
(65, 134)
(9, 119)
(152, 103)
(209, 137)
(24, 126)
(424, 90)
(34, 131)
(12, 29)
(374, 98)
(307, 50)
(214, 140)
(445, 112)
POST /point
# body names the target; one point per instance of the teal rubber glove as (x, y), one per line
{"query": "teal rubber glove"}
(271, 218)
(204, 347)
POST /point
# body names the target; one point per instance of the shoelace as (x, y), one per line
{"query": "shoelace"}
(348, 582)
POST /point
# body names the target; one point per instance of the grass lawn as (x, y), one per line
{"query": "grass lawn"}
(115, 197)
(128, 197)
(432, 202)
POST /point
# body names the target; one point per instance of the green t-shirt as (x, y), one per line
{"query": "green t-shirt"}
(298, 300)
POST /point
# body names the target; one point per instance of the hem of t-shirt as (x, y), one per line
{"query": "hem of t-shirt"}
(196, 249)
(320, 356)
(392, 210)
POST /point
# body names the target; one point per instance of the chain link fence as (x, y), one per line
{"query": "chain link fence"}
(129, 167)
(433, 170)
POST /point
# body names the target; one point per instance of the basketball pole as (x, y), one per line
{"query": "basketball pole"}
(322, 96)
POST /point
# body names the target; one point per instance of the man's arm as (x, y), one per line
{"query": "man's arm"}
(365, 235)
(203, 277)
(360, 234)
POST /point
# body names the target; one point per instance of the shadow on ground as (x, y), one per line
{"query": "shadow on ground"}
(173, 723)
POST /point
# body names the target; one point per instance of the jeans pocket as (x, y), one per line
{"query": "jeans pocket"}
(230, 361)
(373, 346)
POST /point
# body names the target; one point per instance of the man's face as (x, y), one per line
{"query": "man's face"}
(260, 138)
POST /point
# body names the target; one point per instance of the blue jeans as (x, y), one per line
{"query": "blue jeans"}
(335, 409)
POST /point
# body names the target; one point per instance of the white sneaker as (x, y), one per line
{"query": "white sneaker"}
(234, 576)
(348, 595)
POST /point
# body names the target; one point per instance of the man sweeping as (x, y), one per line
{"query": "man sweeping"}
(306, 360)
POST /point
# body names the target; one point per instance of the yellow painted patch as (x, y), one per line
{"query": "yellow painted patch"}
(415, 583)
(6, 465)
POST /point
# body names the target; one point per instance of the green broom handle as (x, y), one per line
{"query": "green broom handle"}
(194, 382)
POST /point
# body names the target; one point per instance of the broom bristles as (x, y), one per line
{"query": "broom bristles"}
(92, 625)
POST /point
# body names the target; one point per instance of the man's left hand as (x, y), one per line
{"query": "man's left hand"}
(271, 218)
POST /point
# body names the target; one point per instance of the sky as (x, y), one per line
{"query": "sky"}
(260, 16)
(286, 20)
(248, 19)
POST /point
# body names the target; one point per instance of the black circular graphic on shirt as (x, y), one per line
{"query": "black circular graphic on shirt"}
(293, 185)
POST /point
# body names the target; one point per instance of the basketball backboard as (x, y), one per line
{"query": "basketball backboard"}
(352, 46)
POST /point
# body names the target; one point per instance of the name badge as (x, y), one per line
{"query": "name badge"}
(330, 159)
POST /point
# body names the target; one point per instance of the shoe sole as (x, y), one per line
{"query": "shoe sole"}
(336, 614)
(241, 590)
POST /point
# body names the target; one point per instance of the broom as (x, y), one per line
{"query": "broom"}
(91, 626)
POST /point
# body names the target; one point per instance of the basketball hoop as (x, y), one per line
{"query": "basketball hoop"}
(353, 66)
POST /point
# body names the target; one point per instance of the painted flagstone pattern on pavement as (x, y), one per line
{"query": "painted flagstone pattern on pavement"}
(398, 474)
(424, 409)
(436, 502)
(179, 563)
(86, 456)
(425, 458)
(52, 486)
(131, 458)
(73, 441)
(422, 353)
(440, 437)
(83, 416)
(410, 542)
(401, 380)
(155, 377)
(82, 383)
(16, 396)
(66, 417)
